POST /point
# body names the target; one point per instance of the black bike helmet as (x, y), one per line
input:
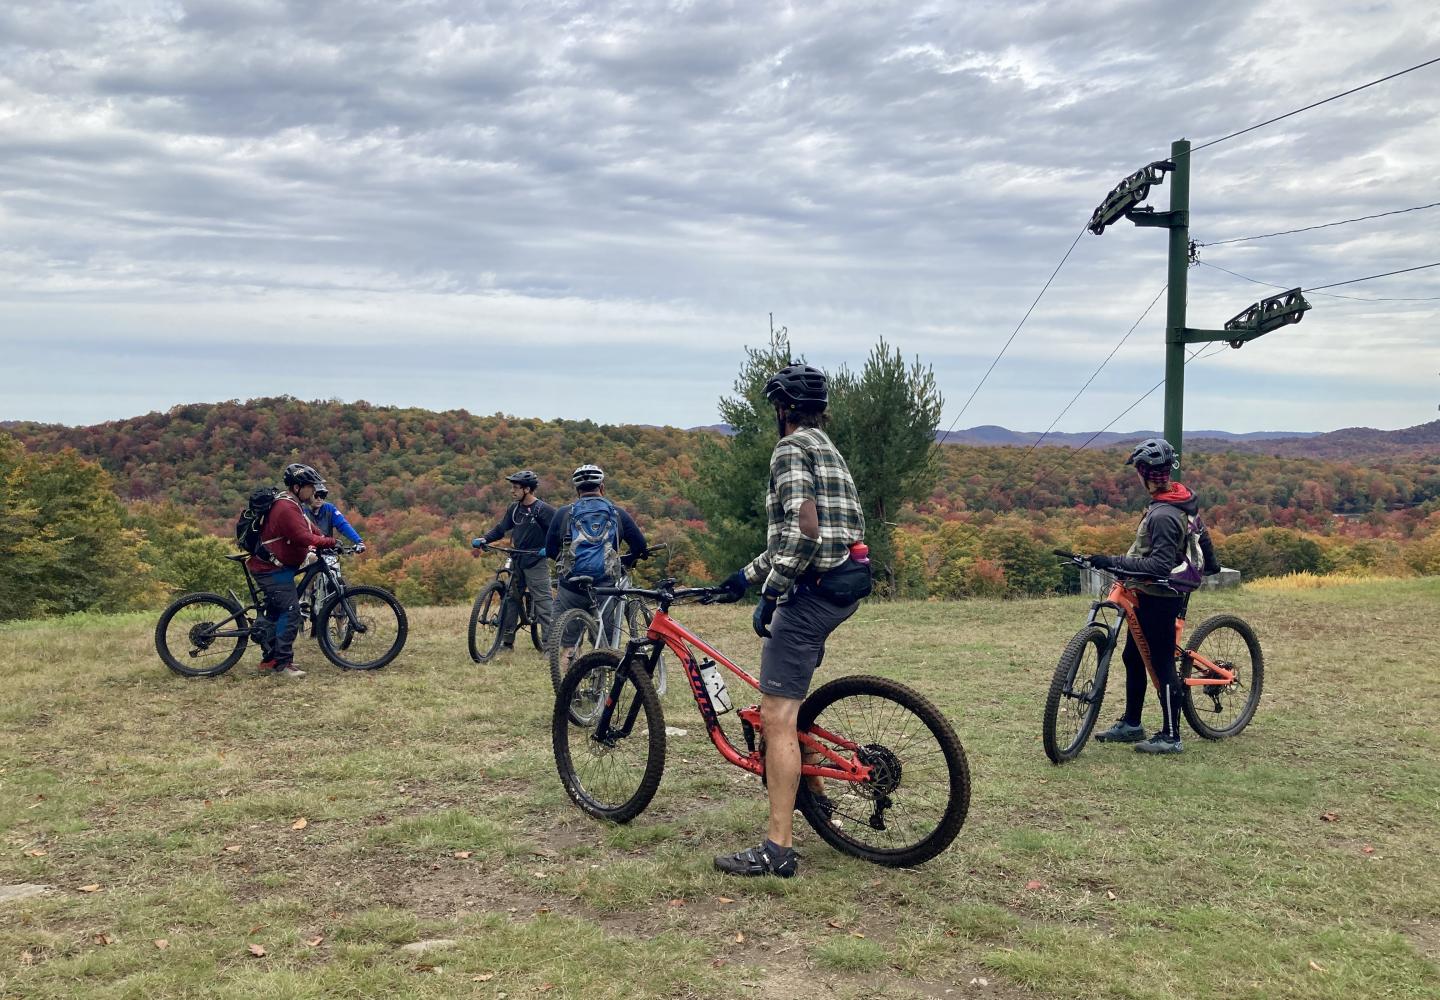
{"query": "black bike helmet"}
(302, 475)
(1153, 452)
(525, 478)
(803, 387)
(588, 475)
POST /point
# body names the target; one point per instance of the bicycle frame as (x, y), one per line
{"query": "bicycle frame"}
(666, 633)
(1124, 601)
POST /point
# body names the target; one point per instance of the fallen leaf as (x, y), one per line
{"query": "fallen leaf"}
(722, 900)
(92, 887)
(1316, 966)
(232, 848)
(1329, 817)
(462, 855)
(739, 937)
(676, 902)
(26, 958)
(316, 941)
(545, 987)
(484, 977)
(719, 963)
(37, 853)
(1034, 884)
(1367, 849)
(255, 930)
(103, 939)
(856, 934)
(161, 943)
(1109, 894)
(300, 824)
(836, 924)
(258, 950)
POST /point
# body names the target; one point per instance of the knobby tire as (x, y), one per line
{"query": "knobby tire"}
(1077, 691)
(928, 786)
(1232, 640)
(208, 611)
(611, 776)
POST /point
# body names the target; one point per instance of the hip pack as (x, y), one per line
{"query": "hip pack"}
(847, 583)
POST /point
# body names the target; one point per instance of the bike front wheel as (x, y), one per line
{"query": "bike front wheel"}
(202, 635)
(362, 628)
(918, 794)
(485, 622)
(609, 736)
(576, 633)
(1076, 692)
(638, 615)
(1214, 711)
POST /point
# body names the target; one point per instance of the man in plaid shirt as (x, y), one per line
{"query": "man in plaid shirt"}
(814, 520)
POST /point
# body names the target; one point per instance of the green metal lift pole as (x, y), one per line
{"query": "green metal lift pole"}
(1175, 305)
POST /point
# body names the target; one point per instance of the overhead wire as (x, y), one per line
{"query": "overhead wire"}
(1326, 225)
(1316, 104)
(1333, 295)
(1006, 346)
(1133, 327)
(1199, 354)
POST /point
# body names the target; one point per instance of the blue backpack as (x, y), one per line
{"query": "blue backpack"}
(594, 540)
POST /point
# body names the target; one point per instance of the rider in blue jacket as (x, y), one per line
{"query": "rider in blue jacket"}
(327, 519)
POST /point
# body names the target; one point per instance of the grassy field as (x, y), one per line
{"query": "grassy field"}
(166, 816)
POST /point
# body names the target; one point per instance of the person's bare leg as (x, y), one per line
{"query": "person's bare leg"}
(782, 764)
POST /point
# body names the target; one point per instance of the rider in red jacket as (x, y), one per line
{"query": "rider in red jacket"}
(289, 538)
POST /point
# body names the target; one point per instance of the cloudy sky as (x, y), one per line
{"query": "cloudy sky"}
(588, 210)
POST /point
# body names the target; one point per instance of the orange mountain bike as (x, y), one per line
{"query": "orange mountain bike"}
(1221, 669)
(897, 785)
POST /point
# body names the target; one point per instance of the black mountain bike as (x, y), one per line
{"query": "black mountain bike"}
(358, 627)
(487, 624)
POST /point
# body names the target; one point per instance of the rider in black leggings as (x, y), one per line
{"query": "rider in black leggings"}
(1159, 550)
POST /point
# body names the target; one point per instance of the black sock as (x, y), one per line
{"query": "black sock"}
(777, 852)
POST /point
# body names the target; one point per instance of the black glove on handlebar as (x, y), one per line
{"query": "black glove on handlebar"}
(734, 587)
(1100, 562)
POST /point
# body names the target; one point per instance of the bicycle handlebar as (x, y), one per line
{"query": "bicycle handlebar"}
(665, 592)
(1080, 560)
(481, 545)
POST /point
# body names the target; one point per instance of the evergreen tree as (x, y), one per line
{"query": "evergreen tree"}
(883, 421)
(731, 474)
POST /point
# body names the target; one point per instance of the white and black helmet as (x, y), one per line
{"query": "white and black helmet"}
(1153, 452)
(588, 475)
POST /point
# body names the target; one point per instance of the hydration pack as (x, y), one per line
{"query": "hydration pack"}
(594, 540)
(1190, 572)
(251, 523)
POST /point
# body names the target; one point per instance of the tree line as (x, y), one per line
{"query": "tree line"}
(121, 514)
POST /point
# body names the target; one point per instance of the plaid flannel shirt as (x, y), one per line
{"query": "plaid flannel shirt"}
(806, 466)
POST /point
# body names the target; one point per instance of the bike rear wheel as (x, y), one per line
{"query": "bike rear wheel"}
(485, 621)
(185, 635)
(916, 799)
(1219, 712)
(1077, 691)
(362, 628)
(583, 632)
(610, 771)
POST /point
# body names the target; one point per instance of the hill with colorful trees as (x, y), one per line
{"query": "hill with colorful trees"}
(123, 513)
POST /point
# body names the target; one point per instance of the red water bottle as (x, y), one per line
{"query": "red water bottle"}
(860, 552)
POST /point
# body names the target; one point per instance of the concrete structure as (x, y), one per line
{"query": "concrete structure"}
(1094, 583)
